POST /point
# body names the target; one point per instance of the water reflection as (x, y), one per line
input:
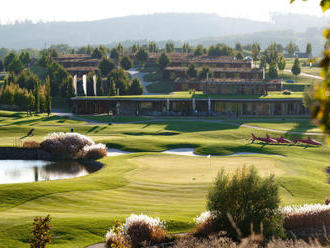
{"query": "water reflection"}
(22, 171)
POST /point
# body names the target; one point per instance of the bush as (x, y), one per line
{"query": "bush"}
(138, 230)
(327, 201)
(286, 92)
(31, 144)
(251, 201)
(72, 146)
(115, 237)
(41, 232)
(307, 216)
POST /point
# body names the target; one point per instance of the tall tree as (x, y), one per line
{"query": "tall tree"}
(126, 63)
(134, 48)
(281, 63)
(70, 92)
(136, 87)
(90, 84)
(25, 58)
(191, 71)
(48, 96)
(152, 47)
(36, 93)
(238, 47)
(199, 50)
(111, 86)
(121, 79)
(97, 53)
(1, 66)
(296, 69)
(272, 73)
(114, 53)
(106, 66)
(292, 48)
(239, 56)
(169, 47)
(186, 48)
(8, 59)
(205, 73)
(256, 51)
(16, 65)
(142, 55)
(309, 50)
(99, 85)
(163, 61)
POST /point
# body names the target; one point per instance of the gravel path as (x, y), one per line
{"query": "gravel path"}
(99, 245)
(307, 75)
(135, 73)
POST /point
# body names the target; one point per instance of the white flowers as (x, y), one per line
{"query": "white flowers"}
(205, 216)
(304, 209)
(133, 218)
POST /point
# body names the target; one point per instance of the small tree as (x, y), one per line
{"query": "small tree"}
(41, 232)
(90, 84)
(163, 61)
(191, 72)
(296, 69)
(70, 91)
(25, 58)
(136, 87)
(281, 63)
(248, 201)
(48, 96)
(106, 65)
(169, 47)
(126, 63)
(239, 56)
(272, 73)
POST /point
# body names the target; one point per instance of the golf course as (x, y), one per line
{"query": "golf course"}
(147, 180)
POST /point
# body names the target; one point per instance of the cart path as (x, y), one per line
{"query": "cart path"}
(307, 75)
(135, 73)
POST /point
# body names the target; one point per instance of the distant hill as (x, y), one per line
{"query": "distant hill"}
(145, 27)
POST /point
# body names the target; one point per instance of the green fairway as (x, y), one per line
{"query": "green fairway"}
(171, 187)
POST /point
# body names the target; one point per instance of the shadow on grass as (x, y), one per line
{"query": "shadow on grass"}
(191, 126)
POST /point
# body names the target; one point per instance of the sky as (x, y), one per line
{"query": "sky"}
(85, 10)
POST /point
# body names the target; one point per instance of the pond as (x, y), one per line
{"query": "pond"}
(22, 171)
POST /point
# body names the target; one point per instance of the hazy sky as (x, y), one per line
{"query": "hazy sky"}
(80, 10)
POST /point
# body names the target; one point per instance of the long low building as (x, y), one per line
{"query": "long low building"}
(162, 106)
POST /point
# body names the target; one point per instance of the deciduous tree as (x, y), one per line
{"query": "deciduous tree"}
(106, 65)
(136, 87)
(191, 71)
(163, 61)
(126, 63)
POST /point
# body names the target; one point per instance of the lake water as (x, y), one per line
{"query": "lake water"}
(22, 171)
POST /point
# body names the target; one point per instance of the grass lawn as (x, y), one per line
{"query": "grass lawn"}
(171, 187)
(298, 79)
(107, 118)
(306, 69)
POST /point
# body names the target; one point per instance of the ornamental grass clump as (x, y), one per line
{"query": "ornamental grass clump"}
(138, 230)
(72, 146)
(306, 216)
(244, 203)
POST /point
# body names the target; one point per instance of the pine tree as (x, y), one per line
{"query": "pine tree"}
(136, 87)
(191, 72)
(281, 63)
(48, 96)
(36, 93)
(99, 86)
(163, 61)
(272, 73)
(309, 50)
(296, 69)
(90, 84)
(70, 92)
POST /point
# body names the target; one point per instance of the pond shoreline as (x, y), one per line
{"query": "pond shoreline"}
(22, 153)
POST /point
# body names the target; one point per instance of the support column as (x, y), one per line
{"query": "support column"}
(209, 105)
(167, 105)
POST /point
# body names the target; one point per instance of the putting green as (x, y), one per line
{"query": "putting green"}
(187, 170)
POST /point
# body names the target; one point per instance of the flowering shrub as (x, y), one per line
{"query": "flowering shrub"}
(309, 215)
(139, 230)
(115, 237)
(72, 146)
(96, 151)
